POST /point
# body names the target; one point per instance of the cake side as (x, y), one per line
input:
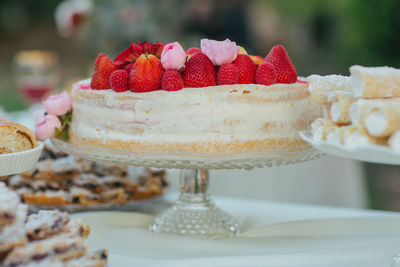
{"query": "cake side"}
(217, 119)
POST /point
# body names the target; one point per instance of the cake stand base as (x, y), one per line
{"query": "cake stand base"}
(195, 213)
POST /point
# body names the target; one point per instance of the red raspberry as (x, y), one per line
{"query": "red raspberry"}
(119, 80)
(266, 74)
(171, 81)
(247, 69)
(227, 74)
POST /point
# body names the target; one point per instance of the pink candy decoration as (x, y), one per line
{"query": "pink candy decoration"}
(58, 104)
(47, 127)
(173, 56)
(219, 52)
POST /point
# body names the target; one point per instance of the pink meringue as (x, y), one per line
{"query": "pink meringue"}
(58, 104)
(173, 56)
(219, 52)
(47, 127)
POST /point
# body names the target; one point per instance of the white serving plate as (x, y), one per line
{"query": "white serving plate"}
(370, 153)
(18, 162)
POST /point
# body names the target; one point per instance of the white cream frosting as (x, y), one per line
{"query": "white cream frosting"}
(376, 123)
(220, 113)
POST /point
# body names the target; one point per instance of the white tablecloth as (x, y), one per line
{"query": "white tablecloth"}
(273, 234)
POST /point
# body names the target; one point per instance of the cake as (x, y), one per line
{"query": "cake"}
(217, 119)
(217, 99)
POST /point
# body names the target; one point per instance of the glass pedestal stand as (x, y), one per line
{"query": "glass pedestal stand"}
(194, 212)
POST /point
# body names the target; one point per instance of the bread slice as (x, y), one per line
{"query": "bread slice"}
(370, 82)
(15, 137)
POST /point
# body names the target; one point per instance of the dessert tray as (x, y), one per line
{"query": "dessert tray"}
(369, 153)
(194, 213)
(17, 162)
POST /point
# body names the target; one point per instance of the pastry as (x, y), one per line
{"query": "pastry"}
(9, 202)
(15, 137)
(61, 247)
(383, 120)
(372, 82)
(324, 88)
(60, 179)
(46, 223)
(48, 238)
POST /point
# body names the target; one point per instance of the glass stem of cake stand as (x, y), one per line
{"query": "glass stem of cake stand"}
(195, 213)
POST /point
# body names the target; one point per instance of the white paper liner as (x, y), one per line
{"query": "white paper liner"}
(18, 162)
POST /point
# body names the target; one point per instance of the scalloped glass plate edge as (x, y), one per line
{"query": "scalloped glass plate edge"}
(188, 160)
(371, 153)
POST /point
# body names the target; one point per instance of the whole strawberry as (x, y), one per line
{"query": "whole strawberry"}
(265, 74)
(171, 81)
(247, 69)
(146, 74)
(103, 67)
(119, 80)
(284, 68)
(199, 71)
(227, 74)
(192, 50)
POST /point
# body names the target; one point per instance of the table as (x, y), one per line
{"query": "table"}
(273, 234)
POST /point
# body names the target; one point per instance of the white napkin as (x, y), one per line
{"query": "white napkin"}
(361, 241)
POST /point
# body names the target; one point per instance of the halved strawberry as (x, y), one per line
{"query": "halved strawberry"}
(199, 71)
(284, 68)
(146, 74)
(102, 71)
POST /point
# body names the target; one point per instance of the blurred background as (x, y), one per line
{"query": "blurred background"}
(322, 37)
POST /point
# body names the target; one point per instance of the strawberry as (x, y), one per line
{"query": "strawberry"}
(227, 74)
(171, 81)
(146, 74)
(102, 71)
(119, 80)
(247, 69)
(192, 50)
(132, 53)
(284, 68)
(265, 74)
(199, 71)
(128, 67)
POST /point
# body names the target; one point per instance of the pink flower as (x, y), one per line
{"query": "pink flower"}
(219, 52)
(47, 127)
(58, 104)
(173, 56)
(38, 115)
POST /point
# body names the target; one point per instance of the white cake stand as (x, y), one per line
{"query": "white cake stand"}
(194, 212)
(370, 153)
